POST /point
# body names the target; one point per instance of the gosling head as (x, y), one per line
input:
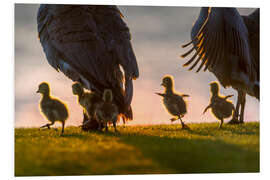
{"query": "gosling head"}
(167, 82)
(43, 88)
(77, 88)
(107, 95)
(214, 87)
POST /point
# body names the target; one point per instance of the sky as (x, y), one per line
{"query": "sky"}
(157, 36)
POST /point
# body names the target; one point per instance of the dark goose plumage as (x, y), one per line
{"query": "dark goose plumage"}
(227, 45)
(90, 44)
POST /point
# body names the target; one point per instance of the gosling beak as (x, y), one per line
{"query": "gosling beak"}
(162, 84)
(38, 91)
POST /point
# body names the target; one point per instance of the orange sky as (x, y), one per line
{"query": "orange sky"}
(157, 34)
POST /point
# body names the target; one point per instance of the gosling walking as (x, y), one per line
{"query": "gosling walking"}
(106, 111)
(220, 106)
(52, 108)
(173, 102)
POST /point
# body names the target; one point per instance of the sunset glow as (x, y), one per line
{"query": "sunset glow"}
(157, 36)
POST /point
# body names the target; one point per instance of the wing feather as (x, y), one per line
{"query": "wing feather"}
(88, 44)
(224, 32)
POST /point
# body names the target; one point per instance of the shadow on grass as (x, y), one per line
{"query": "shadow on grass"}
(183, 155)
(138, 150)
(73, 135)
(232, 129)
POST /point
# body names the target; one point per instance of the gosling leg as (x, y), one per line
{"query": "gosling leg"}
(221, 123)
(114, 125)
(47, 125)
(99, 125)
(234, 120)
(173, 119)
(184, 126)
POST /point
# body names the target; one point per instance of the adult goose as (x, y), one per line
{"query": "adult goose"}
(91, 45)
(227, 44)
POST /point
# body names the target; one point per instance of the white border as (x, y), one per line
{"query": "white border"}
(7, 86)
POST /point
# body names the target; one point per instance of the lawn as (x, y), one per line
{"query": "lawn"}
(154, 149)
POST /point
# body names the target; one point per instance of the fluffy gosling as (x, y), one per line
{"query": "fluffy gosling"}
(106, 111)
(52, 108)
(87, 100)
(220, 106)
(173, 102)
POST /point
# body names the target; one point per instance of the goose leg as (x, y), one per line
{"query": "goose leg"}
(234, 120)
(243, 104)
(239, 99)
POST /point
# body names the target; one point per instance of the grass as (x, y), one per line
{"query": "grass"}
(158, 149)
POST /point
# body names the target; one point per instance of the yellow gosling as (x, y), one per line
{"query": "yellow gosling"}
(173, 102)
(220, 106)
(52, 108)
(107, 111)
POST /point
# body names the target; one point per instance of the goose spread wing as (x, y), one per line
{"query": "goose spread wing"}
(222, 34)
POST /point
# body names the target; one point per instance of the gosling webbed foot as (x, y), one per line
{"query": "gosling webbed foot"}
(184, 126)
(221, 123)
(234, 121)
(220, 126)
(43, 126)
(173, 119)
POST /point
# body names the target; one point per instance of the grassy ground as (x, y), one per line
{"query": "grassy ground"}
(138, 150)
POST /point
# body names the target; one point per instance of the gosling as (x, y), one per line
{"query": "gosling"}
(52, 108)
(220, 106)
(106, 111)
(173, 102)
(87, 100)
